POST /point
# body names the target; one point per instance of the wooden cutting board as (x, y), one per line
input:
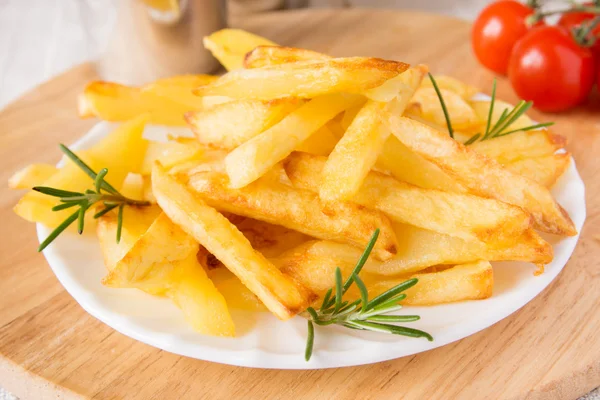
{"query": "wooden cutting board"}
(50, 348)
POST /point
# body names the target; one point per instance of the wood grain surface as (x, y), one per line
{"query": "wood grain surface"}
(50, 348)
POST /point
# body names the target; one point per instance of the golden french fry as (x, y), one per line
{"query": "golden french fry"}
(453, 85)
(462, 215)
(32, 175)
(220, 237)
(306, 79)
(296, 209)
(426, 104)
(171, 153)
(255, 157)
(320, 143)
(179, 89)
(520, 145)
(121, 152)
(230, 46)
(114, 102)
(228, 125)
(544, 170)
(266, 56)
(402, 87)
(482, 175)
(236, 295)
(357, 151)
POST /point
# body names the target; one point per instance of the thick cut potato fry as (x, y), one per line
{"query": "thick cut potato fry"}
(426, 104)
(266, 56)
(121, 152)
(410, 167)
(520, 145)
(230, 46)
(32, 175)
(543, 170)
(296, 209)
(462, 215)
(178, 89)
(228, 125)
(171, 153)
(203, 306)
(220, 237)
(152, 258)
(133, 187)
(320, 143)
(254, 158)
(402, 87)
(357, 151)
(236, 295)
(474, 281)
(453, 85)
(306, 79)
(483, 176)
(113, 102)
(314, 265)
(136, 221)
(482, 109)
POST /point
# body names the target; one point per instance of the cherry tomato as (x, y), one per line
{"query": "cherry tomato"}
(574, 20)
(495, 32)
(549, 68)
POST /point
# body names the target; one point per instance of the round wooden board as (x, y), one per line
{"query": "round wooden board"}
(51, 348)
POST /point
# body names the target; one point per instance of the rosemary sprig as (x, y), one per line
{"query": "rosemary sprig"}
(104, 193)
(362, 314)
(501, 126)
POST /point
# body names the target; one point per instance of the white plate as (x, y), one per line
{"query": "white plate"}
(265, 342)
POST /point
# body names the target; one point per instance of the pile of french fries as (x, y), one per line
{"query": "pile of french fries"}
(297, 158)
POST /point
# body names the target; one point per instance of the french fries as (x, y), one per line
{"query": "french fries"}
(228, 125)
(357, 151)
(32, 175)
(212, 230)
(483, 176)
(520, 145)
(255, 157)
(425, 104)
(179, 89)
(304, 79)
(462, 215)
(454, 85)
(229, 46)
(266, 56)
(299, 210)
(544, 170)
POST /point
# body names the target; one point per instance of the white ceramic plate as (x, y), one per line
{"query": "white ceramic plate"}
(265, 342)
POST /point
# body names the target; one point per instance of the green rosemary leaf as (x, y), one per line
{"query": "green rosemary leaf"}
(498, 122)
(393, 318)
(490, 112)
(354, 304)
(310, 341)
(81, 218)
(99, 179)
(364, 294)
(326, 299)
(64, 206)
(512, 116)
(391, 293)
(393, 329)
(59, 229)
(338, 289)
(527, 128)
(473, 139)
(56, 192)
(86, 168)
(393, 302)
(313, 313)
(106, 209)
(443, 104)
(120, 222)
(362, 260)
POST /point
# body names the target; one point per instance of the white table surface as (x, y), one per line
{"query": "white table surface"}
(41, 38)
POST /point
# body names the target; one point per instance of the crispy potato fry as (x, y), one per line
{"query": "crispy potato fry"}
(462, 215)
(133, 187)
(179, 88)
(482, 109)
(136, 221)
(412, 168)
(228, 125)
(357, 151)
(32, 175)
(230, 46)
(426, 104)
(236, 295)
(122, 151)
(472, 281)
(306, 79)
(254, 158)
(296, 209)
(266, 56)
(520, 145)
(402, 88)
(278, 292)
(113, 102)
(203, 306)
(483, 176)
(454, 85)
(544, 170)
(171, 153)
(320, 143)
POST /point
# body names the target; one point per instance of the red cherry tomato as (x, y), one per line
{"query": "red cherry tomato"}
(549, 68)
(495, 32)
(575, 19)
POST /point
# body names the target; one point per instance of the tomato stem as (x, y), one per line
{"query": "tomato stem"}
(582, 34)
(539, 15)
